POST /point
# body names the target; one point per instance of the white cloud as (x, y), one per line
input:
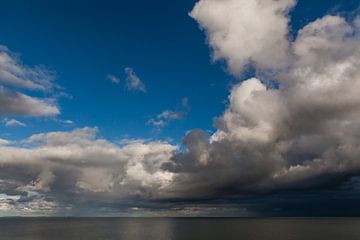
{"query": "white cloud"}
(78, 165)
(4, 142)
(158, 123)
(242, 32)
(68, 122)
(133, 82)
(14, 123)
(294, 137)
(113, 79)
(78, 136)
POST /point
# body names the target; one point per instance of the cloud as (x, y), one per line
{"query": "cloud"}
(185, 103)
(15, 73)
(157, 123)
(14, 123)
(72, 167)
(42, 183)
(4, 142)
(16, 103)
(113, 79)
(300, 136)
(69, 122)
(78, 136)
(271, 144)
(165, 117)
(133, 82)
(243, 32)
(20, 205)
(15, 76)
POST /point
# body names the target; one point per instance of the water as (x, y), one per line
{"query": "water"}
(178, 228)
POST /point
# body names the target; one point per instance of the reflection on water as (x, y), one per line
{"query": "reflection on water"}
(178, 228)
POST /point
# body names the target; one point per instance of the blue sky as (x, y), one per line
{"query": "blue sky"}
(84, 42)
(179, 108)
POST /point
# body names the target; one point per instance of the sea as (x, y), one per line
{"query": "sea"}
(180, 228)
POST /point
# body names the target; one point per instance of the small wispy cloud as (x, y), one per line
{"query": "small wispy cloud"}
(157, 123)
(165, 117)
(4, 142)
(133, 82)
(66, 121)
(113, 79)
(14, 123)
(16, 74)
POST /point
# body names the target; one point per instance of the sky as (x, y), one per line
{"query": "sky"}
(180, 108)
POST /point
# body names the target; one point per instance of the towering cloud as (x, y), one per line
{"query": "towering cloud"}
(302, 135)
(243, 32)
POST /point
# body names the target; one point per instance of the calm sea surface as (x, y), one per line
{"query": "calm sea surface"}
(178, 228)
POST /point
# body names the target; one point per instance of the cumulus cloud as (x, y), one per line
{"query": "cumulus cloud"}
(242, 32)
(15, 76)
(133, 82)
(301, 135)
(71, 167)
